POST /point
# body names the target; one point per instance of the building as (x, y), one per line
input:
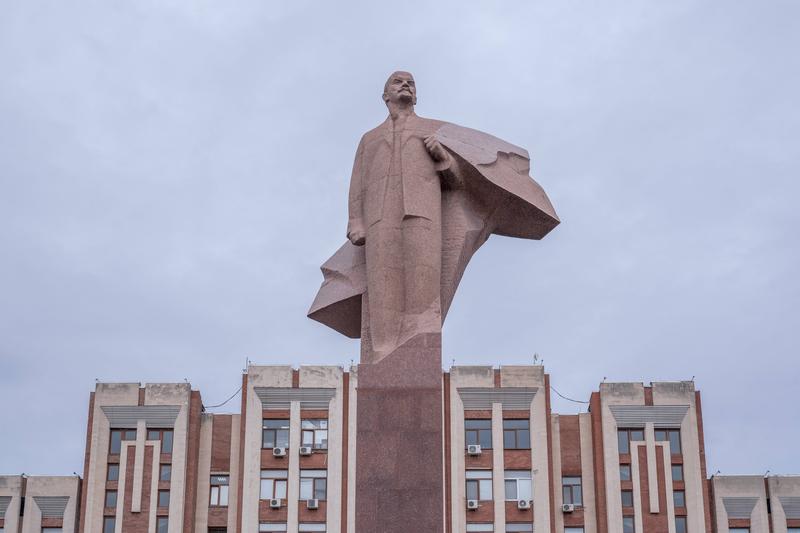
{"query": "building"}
(157, 462)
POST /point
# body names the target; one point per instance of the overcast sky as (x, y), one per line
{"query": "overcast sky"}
(172, 174)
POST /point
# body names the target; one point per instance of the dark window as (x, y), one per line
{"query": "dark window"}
(516, 434)
(679, 497)
(117, 436)
(313, 484)
(162, 524)
(479, 484)
(111, 498)
(677, 472)
(219, 491)
(673, 436)
(478, 432)
(571, 489)
(112, 474)
(625, 436)
(109, 524)
(314, 433)
(218, 530)
(628, 525)
(163, 498)
(165, 473)
(627, 498)
(625, 472)
(275, 433)
(164, 435)
(680, 524)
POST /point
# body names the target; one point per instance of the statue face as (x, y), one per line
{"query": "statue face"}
(400, 89)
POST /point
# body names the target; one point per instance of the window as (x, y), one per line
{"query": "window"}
(311, 527)
(164, 435)
(275, 433)
(673, 436)
(109, 524)
(478, 432)
(677, 472)
(679, 497)
(625, 472)
(313, 484)
(573, 530)
(163, 498)
(162, 524)
(165, 473)
(314, 433)
(627, 498)
(49, 530)
(518, 485)
(738, 530)
(273, 484)
(680, 524)
(111, 498)
(112, 474)
(516, 434)
(479, 484)
(571, 490)
(264, 526)
(219, 491)
(628, 525)
(625, 436)
(481, 527)
(218, 530)
(117, 436)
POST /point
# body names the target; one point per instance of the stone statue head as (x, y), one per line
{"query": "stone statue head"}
(400, 88)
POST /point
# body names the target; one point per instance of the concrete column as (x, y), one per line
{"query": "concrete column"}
(637, 488)
(138, 467)
(153, 488)
(557, 477)
(204, 471)
(667, 459)
(498, 468)
(652, 468)
(293, 490)
(233, 489)
(587, 475)
(123, 461)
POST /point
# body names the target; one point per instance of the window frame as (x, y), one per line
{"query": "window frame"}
(163, 435)
(222, 490)
(628, 431)
(628, 520)
(283, 431)
(319, 484)
(109, 521)
(629, 470)
(682, 497)
(517, 432)
(113, 494)
(115, 467)
(314, 432)
(273, 482)
(626, 494)
(569, 488)
(160, 495)
(478, 480)
(679, 468)
(125, 435)
(510, 477)
(667, 435)
(165, 467)
(477, 432)
(681, 519)
(162, 520)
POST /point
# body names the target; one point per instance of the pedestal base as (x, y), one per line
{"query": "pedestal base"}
(399, 471)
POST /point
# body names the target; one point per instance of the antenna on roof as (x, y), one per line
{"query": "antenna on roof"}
(766, 473)
(535, 358)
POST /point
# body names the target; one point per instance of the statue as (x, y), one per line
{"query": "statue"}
(424, 196)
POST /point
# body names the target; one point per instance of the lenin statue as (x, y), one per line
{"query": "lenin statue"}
(424, 196)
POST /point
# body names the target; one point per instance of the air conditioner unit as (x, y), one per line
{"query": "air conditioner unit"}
(312, 504)
(306, 450)
(472, 505)
(279, 452)
(567, 507)
(275, 503)
(474, 449)
(523, 504)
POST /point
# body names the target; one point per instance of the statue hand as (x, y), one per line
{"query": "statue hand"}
(357, 236)
(435, 148)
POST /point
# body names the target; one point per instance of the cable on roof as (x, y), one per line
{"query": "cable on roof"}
(568, 399)
(226, 401)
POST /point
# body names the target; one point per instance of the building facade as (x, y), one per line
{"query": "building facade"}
(156, 462)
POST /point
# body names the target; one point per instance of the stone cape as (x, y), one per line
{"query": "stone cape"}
(497, 195)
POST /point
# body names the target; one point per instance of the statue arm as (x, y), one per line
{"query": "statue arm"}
(356, 232)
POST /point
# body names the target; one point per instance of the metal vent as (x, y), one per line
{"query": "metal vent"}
(791, 506)
(52, 506)
(155, 416)
(4, 501)
(281, 398)
(510, 397)
(663, 416)
(739, 507)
